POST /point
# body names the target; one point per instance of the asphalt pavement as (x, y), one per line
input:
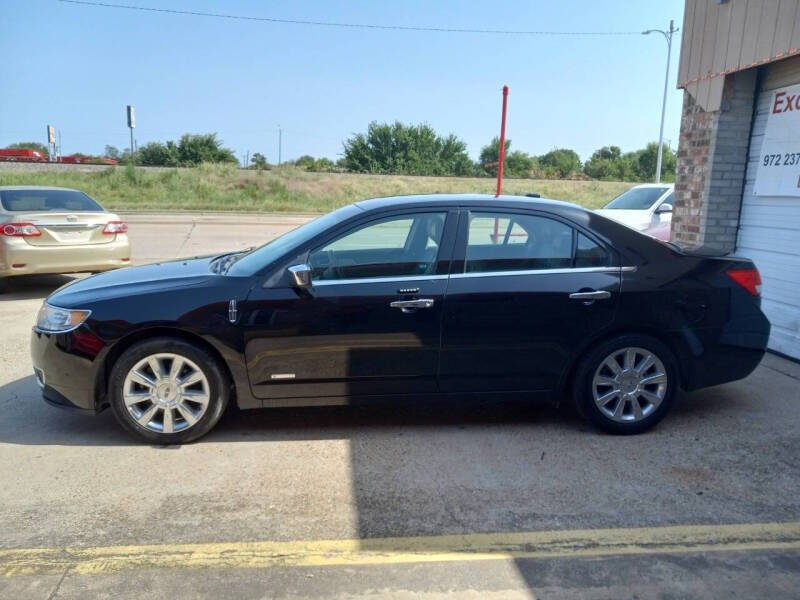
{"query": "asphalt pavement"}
(455, 499)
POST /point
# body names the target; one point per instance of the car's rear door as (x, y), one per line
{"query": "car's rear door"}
(512, 319)
(370, 323)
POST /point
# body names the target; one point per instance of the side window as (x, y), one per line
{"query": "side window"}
(589, 254)
(512, 242)
(399, 246)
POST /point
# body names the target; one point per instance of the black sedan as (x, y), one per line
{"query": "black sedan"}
(406, 298)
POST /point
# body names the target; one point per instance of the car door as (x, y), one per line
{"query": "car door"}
(369, 324)
(526, 290)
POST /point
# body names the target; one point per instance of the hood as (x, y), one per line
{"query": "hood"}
(638, 219)
(133, 280)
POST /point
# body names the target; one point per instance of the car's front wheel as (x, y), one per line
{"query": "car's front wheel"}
(168, 391)
(627, 384)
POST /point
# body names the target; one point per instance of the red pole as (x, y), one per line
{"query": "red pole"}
(502, 155)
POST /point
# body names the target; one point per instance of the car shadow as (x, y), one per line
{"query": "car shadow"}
(452, 467)
(31, 287)
(31, 421)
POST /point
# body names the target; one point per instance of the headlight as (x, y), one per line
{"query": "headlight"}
(52, 319)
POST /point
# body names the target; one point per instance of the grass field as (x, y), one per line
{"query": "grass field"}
(287, 189)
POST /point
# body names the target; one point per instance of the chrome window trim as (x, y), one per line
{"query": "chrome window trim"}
(316, 282)
(466, 275)
(540, 272)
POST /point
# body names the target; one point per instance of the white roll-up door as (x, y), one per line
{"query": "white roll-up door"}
(769, 226)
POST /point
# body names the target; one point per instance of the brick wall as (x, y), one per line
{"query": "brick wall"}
(712, 155)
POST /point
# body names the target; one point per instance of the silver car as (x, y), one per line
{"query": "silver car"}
(58, 230)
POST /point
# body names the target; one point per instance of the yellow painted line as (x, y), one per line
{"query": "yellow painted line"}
(680, 539)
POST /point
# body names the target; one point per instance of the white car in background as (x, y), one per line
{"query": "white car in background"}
(646, 207)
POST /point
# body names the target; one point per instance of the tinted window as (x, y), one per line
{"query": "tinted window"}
(506, 242)
(400, 246)
(637, 198)
(271, 251)
(47, 201)
(589, 254)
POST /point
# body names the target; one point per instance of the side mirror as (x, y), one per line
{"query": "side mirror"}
(301, 275)
(664, 208)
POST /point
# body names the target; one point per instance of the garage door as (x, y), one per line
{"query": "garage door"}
(769, 227)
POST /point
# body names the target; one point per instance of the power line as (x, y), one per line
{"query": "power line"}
(337, 24)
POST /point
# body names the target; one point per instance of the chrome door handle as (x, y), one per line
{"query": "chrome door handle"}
(599, 295)
(412, 305)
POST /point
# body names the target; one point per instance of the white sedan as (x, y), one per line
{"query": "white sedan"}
(646, 207)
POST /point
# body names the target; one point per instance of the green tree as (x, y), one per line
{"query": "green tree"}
(322, 164)
(156, 154)
(561, 161)
(305, 162)
(406, 149)
(40, 148)
(645, 166)
(111, 152)
(259, 161)
(516, 164)
(607, 163)
(195, 149)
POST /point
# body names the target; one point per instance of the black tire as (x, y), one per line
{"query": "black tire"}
(218, 384)
(582, 389)
(3, 285)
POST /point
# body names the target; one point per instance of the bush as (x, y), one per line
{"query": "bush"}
(561, 161)
(517, 163)
(406, 150)
(259, 161)
(609, 163)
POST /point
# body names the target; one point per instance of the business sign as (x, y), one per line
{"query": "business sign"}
(779, 161)
(51, 134)
(131, 117)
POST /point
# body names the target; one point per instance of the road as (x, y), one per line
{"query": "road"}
(458, 499)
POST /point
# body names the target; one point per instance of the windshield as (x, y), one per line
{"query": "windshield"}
(637, 198)
(47, 201)
(252, 262)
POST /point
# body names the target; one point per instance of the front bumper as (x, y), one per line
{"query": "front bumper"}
(17, 257)
(65, 372)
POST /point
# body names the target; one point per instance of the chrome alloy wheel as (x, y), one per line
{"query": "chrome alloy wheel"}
(166, 393)
(629, 384)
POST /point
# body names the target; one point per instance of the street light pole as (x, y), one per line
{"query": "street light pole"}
(667, 36)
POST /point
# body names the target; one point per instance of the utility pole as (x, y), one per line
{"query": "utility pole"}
(58, 152)
(668, 37)
(280, 144)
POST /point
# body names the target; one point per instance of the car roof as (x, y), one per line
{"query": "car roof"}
(426, 200)
(655, 185)
(4, 188)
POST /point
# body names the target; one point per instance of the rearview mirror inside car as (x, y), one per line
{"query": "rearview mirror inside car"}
(301, 275)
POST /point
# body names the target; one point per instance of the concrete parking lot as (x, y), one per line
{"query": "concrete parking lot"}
(457, 499)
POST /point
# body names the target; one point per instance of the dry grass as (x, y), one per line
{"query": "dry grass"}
(225, 188)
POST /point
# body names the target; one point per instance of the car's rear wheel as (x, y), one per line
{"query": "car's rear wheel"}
(627, 384)
(168, 391)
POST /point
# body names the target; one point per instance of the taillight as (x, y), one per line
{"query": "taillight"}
(113, 227)
(19, 230)
(749, 279)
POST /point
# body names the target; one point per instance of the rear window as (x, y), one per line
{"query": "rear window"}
(47, 201)
(637, 198)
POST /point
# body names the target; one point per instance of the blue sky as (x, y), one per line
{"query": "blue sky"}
(77, 67)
